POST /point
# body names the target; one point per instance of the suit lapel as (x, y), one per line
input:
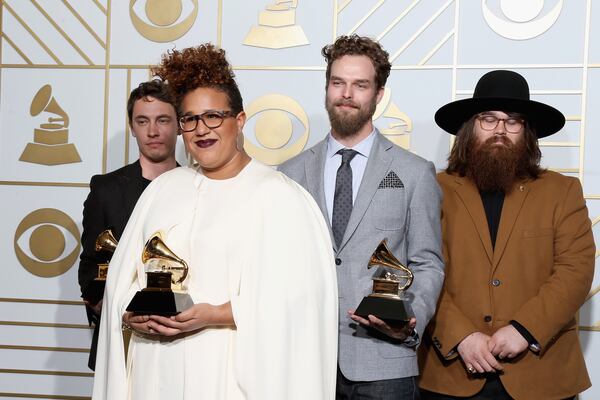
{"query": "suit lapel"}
(513, 203)
(314, 178)
(376, 169)
(132, 185)
(471, 199)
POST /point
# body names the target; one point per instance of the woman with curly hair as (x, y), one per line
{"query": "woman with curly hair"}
(261, 274)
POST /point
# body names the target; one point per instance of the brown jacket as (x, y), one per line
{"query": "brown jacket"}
(538, 274)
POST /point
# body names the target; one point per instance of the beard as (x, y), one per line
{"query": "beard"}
(347, 124)
(495, 168)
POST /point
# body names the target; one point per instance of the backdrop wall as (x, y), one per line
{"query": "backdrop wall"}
(68, 66)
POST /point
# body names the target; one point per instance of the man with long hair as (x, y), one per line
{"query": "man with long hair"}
(519, 255)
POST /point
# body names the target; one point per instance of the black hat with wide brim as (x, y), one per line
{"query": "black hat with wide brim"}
(504, 91)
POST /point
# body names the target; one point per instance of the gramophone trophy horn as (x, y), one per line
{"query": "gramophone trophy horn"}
(165, 273)
(94, 291)
(387, 300)
(401, 281)
(106, 241)
(156, 249)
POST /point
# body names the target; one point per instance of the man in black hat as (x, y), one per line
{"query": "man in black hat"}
(519, 255)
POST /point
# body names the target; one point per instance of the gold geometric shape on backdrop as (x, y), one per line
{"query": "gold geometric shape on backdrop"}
(398, 131)
(164, 15)
(274, 128)
(47, 242)
(57, 24)
(277, 27)
(50, 141)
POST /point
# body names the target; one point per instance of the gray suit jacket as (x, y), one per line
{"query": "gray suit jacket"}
(407, 213)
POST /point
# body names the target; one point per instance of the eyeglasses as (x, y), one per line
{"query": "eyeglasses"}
(489, 122)
(211, 119)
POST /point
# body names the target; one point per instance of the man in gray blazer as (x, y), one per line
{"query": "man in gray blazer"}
(369, 190)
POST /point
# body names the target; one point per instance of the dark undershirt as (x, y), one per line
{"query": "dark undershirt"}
(492, 204)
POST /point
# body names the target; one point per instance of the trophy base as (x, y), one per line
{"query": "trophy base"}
(94, 291)
(159, 302)
(389, 310)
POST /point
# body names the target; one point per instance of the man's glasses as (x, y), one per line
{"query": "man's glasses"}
(212, 120)
(489, 122)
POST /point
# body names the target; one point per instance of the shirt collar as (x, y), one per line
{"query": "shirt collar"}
(363, 147)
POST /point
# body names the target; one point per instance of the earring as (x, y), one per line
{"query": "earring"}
(239, 142)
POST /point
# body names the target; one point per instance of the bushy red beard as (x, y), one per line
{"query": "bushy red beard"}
(495, 168)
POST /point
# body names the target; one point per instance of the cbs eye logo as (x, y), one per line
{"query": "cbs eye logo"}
(164, 21)
(522, 19)
(274, 128)
(46, 242)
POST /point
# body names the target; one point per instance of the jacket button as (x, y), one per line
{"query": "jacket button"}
(487, 318)
(338, 261)
(496, 282)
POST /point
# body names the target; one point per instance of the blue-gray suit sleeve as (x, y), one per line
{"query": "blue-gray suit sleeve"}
(424, 253)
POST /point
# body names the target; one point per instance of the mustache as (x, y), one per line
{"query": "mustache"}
(346, 103)
(497, 138)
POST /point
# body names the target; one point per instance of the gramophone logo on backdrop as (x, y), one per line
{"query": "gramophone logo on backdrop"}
(51, 140)
(397, 131)
(522, 23)
(47, 242)
(277, 27)
(165, 17)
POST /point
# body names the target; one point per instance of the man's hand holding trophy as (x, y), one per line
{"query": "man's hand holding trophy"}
(387, 308)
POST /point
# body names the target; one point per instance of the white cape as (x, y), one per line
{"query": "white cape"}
(257, 240)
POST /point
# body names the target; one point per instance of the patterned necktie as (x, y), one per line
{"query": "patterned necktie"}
(342, 199)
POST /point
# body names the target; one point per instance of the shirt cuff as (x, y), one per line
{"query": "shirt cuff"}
(533, 344)
(412, 340)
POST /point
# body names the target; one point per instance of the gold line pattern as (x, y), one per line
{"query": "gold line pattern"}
(436, 48)
(84, 23)
(100, 6)
(43, 348)
(128, 89)
(593, 292)
(14, 46)
(220, 23)
(558, 144)
(62, 32)
(367, 16)
(421, 30)
(44, 372)
(45, 325)
(106, 89)
(344, 5)
(594, 222)
(43, 396)
(59, 184)
(398, 19)
(32, 33)
(41, 301)
(586, 45)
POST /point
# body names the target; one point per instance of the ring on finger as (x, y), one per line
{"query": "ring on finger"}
(471, 369)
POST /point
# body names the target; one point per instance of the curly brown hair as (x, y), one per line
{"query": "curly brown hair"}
(201, 66)
(355, 45)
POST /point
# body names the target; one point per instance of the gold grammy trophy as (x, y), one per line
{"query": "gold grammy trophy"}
(51, 140)
(94, 291)
(277, 27)
(388, 301)
(165, 273)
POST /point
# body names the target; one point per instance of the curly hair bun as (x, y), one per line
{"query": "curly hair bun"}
(188, 69)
